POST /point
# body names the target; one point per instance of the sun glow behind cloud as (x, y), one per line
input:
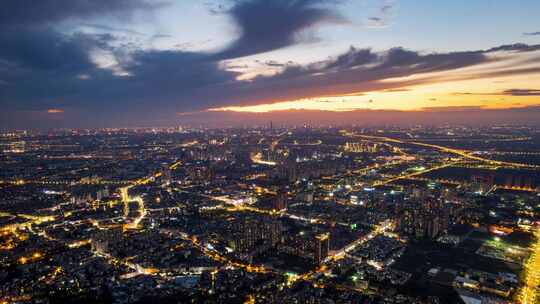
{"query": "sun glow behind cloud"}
(120, 65)
(482, 85)
(337, 103)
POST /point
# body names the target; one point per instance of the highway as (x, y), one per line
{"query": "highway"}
(462, 153)
(414, 174)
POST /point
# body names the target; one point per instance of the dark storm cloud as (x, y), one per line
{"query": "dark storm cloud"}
(31, 12)
(269, 25)
(357, 70)
(153, 79)
(170, 76)
(395, 62)
(190, 81)
(407, 59)
(38, 63)
(46, 49)
(41, 68)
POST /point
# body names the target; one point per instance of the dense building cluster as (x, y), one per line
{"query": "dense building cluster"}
(265, 215)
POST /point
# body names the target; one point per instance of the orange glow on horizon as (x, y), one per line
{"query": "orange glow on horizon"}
(483, 86)
(419, 100)
(55, 111)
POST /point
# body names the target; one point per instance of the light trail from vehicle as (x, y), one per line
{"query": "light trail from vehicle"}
(528, 294)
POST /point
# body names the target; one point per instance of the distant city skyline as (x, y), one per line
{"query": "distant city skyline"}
(84, 64)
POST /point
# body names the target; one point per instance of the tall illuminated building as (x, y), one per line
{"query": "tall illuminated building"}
(322, 247)
(280, 202)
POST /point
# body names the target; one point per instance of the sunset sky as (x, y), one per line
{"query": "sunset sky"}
(143, 63)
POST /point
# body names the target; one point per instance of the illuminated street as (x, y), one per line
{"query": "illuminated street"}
(529, 292)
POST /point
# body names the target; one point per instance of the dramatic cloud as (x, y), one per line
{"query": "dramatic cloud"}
(187, 81)
(43, 68)
(46, 12)
(45, 49)
(153, 79)
(353, 58)
(269, 25)
(356, 71)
